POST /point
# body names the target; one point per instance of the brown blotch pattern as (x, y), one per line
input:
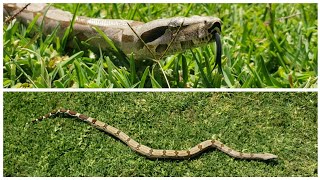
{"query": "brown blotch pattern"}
(164, 152)
(94, 121)
(241, 154)
(213, 141)
(229, 150)
(128, 139)
(63, 110)
(117, 133)
(137, 148)
(222, 145)
(251, 154)
(72, 112)
(47, 115)
(176, 153)
(127, 38)
(188, 152)
(104, 126)
(83, 117)
(200, 146)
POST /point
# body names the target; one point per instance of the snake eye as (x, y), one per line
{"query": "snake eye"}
(205, 21)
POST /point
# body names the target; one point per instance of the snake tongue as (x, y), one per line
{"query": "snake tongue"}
(215, 30)
(218, 52)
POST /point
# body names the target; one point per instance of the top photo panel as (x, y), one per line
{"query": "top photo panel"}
(160, 45)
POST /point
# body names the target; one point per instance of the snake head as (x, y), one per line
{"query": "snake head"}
(208, 30)
(268, 156)
(177, 34)
(200, 29)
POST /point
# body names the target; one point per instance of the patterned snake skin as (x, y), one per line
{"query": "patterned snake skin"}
(160, 153)
(160, 36)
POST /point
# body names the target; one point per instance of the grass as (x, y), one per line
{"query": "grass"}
(263, 46)
(281, 123)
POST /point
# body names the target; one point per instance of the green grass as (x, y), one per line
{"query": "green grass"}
(281, 123)
(262, 47)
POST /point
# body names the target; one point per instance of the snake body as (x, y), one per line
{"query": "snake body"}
(184, 32)
(160, 153)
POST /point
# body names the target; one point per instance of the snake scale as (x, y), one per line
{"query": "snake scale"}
(161, 36)
(159, 153)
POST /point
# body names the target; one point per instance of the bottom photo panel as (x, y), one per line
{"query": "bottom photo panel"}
(160, 134)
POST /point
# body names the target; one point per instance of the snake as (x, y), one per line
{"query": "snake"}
(150, 40)
(152, 153)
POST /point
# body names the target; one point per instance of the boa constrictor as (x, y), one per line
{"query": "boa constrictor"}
(159, 153)
(184, 32)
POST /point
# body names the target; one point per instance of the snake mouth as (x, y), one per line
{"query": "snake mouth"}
(215, 28)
